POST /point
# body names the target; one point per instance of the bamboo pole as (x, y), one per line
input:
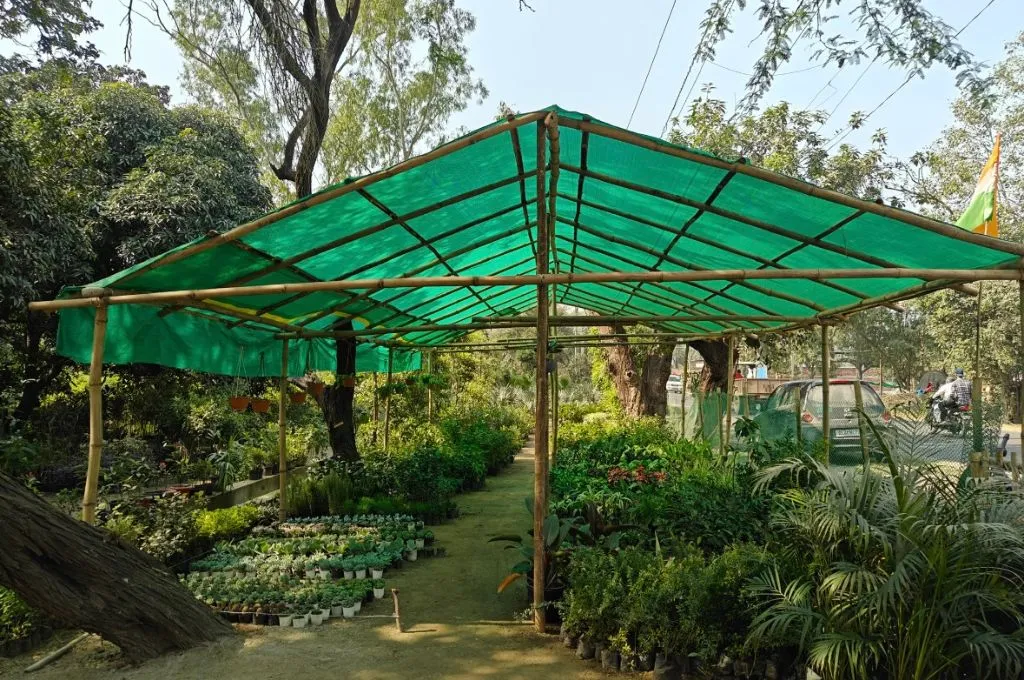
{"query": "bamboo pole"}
(730, 386)
(799, 420)
(682, 393)
(376, 408)
(282, 436)
(1015, 457)
(93, 297)
(541, 407)
(746, 398)
(976, 406)
(826, 371)
(387, 399)
(517, 151)
(858, 396)
(584, 321)
(718, 421)
(795, 185)
(92, 475)
(430, 390)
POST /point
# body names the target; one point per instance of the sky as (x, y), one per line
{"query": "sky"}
(591, 56)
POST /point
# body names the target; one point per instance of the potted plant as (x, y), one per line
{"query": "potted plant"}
(238, 403)
(377, 566)
(309, 568)
(325, 610)
(315, 617)
(298, 397)
(410, 550)
(348, 607)
(299, 620)
(360, 567)
(284, 619)
(378, 589)
(348, 569)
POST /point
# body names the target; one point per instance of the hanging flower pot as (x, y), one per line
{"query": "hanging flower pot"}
(297, 397)
(348, 381)
(317, 389)
(260, 405)
(238, 403)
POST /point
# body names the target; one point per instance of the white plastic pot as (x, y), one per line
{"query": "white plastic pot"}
(336, 612)
(316, 619)
(360, 573)
(410, 555)
(325, 613)
(412, 526)
(284, 621)
(348, 612)
(378, 593)
(349, 575)
(359, 606)
(299, 621)
(311, 573)
(377, 573)
(420, 542)
(324, 575)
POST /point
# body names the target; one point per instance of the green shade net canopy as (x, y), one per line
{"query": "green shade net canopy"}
(622, 202)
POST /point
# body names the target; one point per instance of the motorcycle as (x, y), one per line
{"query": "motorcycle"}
(953, 419)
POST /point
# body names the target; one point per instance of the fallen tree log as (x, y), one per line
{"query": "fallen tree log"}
(86, 578)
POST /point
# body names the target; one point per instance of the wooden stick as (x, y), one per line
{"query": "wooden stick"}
(540, 443)
(795, 185)
(282, 437)
(92, 475)
(551, 123)
(376, 408)
(590, 321)
(387, 400)
(430, 390)
(336, 191)
(398, 611)
(1015, 457)
(56, 654)
(518, 153)
(826, 374)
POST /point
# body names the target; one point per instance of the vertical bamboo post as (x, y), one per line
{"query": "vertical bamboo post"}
(376, 409)
(798, 432)
(387, 400)
(718, 421)
(826, 373)
(881, 378)
(1015, 457)
(553, 451)
(430, 390)
(746, 397)
(730, 388)
(540, 444)
(976, 393)
(92, 475)
(282, 436)
(858, 397)
(682, 393)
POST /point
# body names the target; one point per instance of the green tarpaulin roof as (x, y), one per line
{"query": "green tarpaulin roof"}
(624, 202)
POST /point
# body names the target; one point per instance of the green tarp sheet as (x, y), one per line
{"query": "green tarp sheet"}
(621, 206)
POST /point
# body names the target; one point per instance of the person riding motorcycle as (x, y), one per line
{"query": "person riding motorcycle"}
(954, 394)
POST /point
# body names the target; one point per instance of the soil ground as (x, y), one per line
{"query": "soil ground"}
(456, 624)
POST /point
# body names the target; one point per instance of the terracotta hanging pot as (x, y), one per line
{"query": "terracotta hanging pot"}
(317, 389)
(297, 397)
(260, 405)
(348, 381)
(238, 403)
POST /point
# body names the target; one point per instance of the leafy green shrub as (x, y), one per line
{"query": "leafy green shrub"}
(227, 522)
(17, 619)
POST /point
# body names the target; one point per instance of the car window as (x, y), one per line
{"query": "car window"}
(782, 399)
(843, 396)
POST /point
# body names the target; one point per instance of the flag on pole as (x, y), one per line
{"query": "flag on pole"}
(981, 215)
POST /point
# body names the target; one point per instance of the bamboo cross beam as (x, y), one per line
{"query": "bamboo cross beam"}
(95, 297)
(599, 320)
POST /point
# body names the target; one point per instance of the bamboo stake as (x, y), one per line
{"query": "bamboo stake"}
(541, 407)
(398, 611)
(730, 387)
(718, 421)
(602, 320)
(795, 185)
(387, 400)
(1015, 457)
(282, 436)
(112, 297)
(430, 390)
(746, 397)
(826, 372)
(859, 400)
(92, 475)
(682, 393)
(517, 151)
(376, 408)
(976, 406)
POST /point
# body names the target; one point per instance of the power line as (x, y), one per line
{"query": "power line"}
(850, 128)
(651, 65)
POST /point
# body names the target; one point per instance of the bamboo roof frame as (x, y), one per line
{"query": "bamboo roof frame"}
(631, 270)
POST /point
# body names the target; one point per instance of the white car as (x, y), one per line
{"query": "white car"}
(674, 384)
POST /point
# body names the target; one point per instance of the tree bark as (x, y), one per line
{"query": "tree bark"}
(87, 578)
(715, 374)
(338, 401)
(639, 380)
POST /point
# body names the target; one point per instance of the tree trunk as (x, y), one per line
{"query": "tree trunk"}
(715, 374)
(87, 578)
(338, 401)
(639, 380)
(42, 366)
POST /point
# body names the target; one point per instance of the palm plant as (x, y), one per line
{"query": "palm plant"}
(904, 575)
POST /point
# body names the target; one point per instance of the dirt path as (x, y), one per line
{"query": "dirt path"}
(457, 625)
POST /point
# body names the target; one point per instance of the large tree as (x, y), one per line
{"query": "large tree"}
(98, 173)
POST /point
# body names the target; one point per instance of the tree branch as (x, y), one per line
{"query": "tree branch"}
(286, 171)
(277, 41)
